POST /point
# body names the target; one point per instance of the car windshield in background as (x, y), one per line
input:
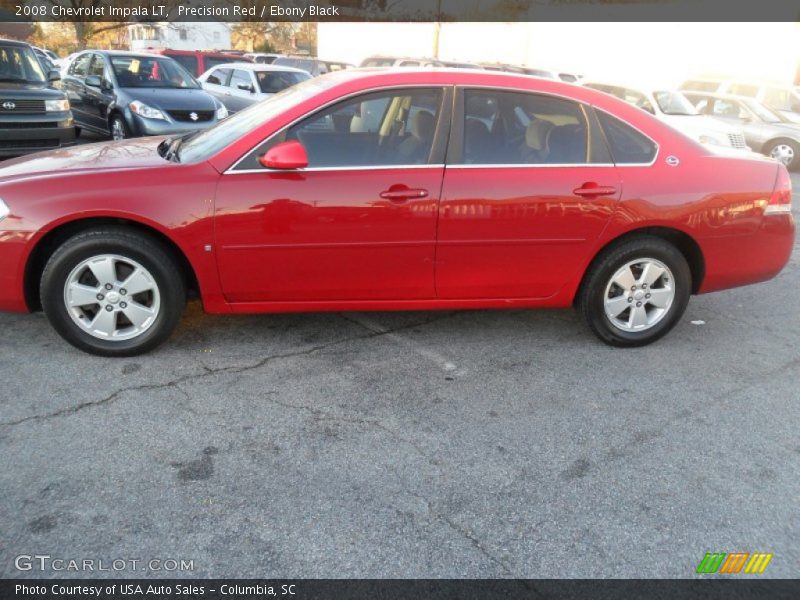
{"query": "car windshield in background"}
(271, 82)
(674, 103)
(151, 72)
(765, 114)
(19, 63)
(205, 144)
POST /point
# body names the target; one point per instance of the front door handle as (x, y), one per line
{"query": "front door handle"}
(590, 189)
(398, 193)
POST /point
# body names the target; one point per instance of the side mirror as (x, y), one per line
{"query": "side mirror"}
(94, 81)
(54, 75)
(246, 88)
(285, 156)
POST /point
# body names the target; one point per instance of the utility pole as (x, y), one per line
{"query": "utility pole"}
(437, 28)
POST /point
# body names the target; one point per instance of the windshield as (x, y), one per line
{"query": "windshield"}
(674, 103)
(151, 72)
(205, 144)
(272, 82)
(765, 114)
(19, 63)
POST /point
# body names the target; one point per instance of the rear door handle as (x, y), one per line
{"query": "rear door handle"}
(401, 194)
(591, 190)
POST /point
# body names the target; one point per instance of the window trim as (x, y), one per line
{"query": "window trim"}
(441, 135)
(629, 124)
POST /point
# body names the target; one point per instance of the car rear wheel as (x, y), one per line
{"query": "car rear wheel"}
(786, 152)
(636, 292)
(119, 129)
(113, 292)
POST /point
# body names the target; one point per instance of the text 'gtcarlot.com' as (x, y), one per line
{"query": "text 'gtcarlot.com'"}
(44, 562)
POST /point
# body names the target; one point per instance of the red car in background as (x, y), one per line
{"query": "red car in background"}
(384, 190)
(198, 62)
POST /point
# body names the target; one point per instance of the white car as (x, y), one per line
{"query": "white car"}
(784, 99)
(239, 85)
(676, 110)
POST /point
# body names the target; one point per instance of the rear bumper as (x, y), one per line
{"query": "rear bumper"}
(22, 134)
(741, 260)
(13, 253)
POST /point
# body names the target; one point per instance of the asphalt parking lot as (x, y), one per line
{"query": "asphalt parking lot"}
(452, 444)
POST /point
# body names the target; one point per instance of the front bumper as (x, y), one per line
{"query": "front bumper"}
(141, 126)
(21, 134)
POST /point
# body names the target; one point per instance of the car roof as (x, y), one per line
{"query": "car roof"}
(14, 43)
(248, 66)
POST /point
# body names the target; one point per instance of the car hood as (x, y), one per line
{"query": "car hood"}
(697, 125)
(28, 91)
(172, 99)
(106, 156)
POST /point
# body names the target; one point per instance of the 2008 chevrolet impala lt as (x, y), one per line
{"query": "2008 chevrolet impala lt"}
(385, 190)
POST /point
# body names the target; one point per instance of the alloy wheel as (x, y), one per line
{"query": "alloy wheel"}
(117, 130)
(639, 295)
(783, 153)
(112, 297)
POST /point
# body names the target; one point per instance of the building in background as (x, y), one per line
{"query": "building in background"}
(180, 36)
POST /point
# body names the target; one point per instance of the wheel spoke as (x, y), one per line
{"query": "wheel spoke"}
(661, 297)
(82, 295)
(105, 322)
(651, 273)
(625, 279)
(104, 270)
(137, 282)
(615, 306)
(638, 317)
(138, 314)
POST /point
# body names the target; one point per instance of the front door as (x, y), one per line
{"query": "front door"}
(358, 224)
(525, 195)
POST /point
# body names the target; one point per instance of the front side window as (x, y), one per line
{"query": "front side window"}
(150, 72)
(387, 128)
(240, 80)
(517, 128)
(98, 67)
(627, 145)
(728, 109)
(272, 82)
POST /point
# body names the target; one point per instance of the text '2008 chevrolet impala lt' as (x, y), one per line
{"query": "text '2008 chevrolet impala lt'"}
(386, 190)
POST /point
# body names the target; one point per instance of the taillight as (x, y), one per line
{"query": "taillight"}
(780, 202)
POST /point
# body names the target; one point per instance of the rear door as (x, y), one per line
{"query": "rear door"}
(216, 84)
(525, 195)
(97, 100)
(241, 90)
(75, 89)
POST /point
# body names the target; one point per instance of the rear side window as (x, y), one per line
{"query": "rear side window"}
(81, 65)
(628, 146)
(517, 128)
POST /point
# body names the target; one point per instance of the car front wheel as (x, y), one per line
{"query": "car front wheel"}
(119, 129)
(636, 292)
(113, 292)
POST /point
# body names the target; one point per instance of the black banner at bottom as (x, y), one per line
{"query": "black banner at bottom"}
(396, 589)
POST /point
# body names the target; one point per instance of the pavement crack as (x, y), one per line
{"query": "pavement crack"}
(207, 372)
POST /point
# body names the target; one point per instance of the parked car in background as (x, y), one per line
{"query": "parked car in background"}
(675, 109)
(52, 56)
(784, 99)
(63, 64)
(570, 77)
(198, 62)
(128, 94)
(33, 116)
(765, 130)
(400, 61)
(456, 64)
(313, 66)
(291, 208)
(239, 85)
(262, 57)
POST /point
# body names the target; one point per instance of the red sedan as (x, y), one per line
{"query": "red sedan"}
(383, 190)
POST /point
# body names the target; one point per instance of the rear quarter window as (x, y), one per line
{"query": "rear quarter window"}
(628, 146)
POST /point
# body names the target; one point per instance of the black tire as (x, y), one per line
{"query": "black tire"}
(122, 241)
(117, 120)
(590, 301)
(77, 132)
(795, 164)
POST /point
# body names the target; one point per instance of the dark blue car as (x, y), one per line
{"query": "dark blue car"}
(128, 94)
